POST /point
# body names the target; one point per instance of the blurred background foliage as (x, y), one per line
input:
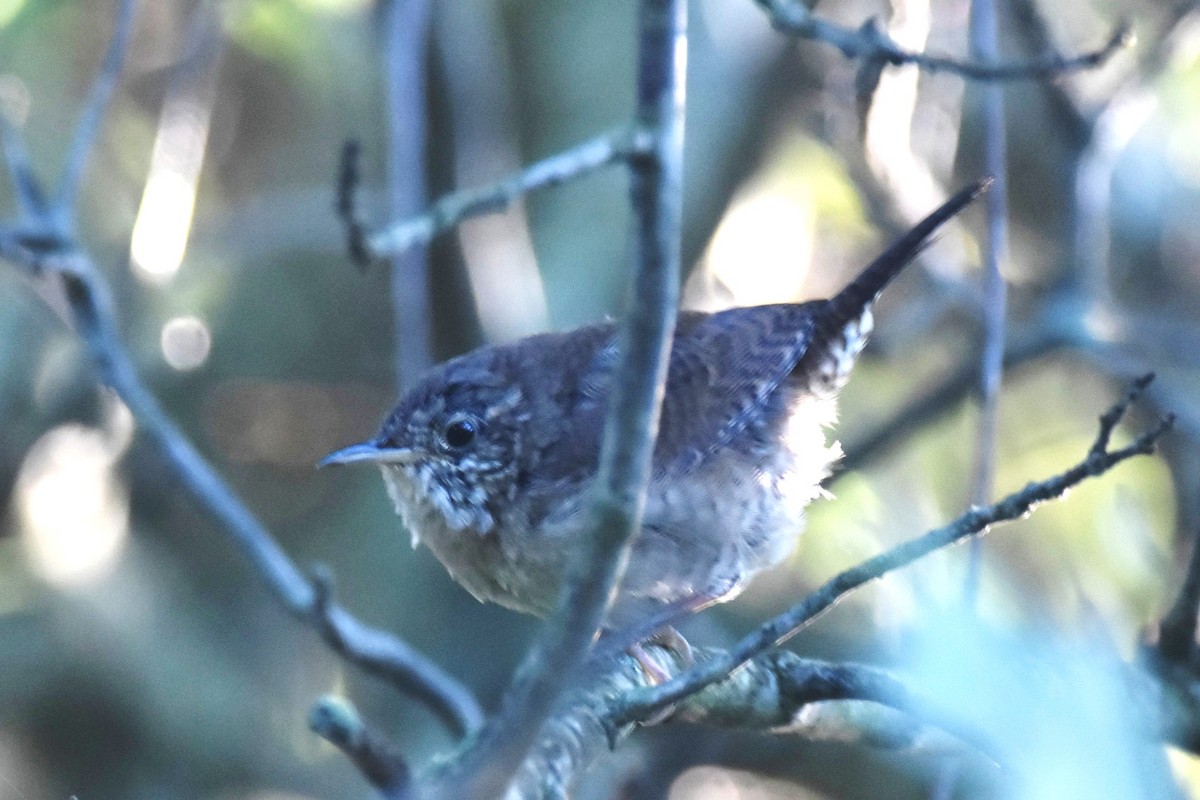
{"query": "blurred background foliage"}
(140, 658)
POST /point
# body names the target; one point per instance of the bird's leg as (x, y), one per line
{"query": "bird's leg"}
(612, 641)
(669, 639)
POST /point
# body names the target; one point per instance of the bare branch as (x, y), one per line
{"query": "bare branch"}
(378, 653)
(778, 692)
(618, 496)
(871, 43)
(1110, 418)
(93, 112)
(447, 212)
(336, 721)
(1098, 461)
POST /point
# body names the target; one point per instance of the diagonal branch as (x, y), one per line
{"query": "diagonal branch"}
(1098, 460)
(585, 157)
(43, 241)
(376, 652)
(870, 43)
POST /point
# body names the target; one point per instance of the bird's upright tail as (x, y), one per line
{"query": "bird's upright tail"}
(845, 323)
(849, 304)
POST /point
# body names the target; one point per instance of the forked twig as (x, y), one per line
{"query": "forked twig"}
(871, 43)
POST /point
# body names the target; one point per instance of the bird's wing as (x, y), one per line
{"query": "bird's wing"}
(723, 381)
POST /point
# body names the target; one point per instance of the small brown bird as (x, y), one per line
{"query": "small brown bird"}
(489, 459)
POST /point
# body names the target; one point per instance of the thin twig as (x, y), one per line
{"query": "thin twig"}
(93, 112)
(871, 43)
(1110, 418)
(977, 520)
(447, 212)
(618, 495)
(337, 722)
(983, 35)
(406, 32)
(346, 203)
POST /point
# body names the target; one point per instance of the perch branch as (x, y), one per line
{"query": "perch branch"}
(778, 692)
(1099, 460)
(43, 241)
(870, 42)
(589, 156)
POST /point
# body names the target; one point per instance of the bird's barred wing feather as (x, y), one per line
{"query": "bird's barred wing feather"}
(723, 381)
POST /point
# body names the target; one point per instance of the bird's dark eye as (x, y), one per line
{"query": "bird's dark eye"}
(460, 433)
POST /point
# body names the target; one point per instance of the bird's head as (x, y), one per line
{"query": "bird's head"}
(449, 447)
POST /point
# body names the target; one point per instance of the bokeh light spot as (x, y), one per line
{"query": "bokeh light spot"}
(762, 248)
(186, 342)
(73, 511)
(160, 233)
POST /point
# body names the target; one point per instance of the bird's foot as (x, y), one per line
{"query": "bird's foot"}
(669, 639)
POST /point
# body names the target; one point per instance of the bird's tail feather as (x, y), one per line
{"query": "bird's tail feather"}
(850, 303)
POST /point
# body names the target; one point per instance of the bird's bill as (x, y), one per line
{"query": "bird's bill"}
(370, 452)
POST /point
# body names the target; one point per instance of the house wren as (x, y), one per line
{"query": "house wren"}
(489, 459)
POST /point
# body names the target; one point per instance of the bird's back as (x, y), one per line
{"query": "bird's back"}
(740, 451)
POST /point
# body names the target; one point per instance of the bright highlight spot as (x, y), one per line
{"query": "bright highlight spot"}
(762, 250)
(164, 218)
(334, 7)
(9, 9)
(1186, 769)
(185, 342)
(73, 511)
(719, 783)
(160, 233)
